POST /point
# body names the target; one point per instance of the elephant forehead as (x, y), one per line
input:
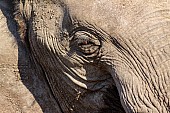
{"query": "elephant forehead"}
(113, 15)
(106, 14)
(99, 12)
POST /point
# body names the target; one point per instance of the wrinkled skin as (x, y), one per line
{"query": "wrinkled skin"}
(101, 55)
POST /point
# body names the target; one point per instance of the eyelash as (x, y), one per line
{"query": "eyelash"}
(85, 42)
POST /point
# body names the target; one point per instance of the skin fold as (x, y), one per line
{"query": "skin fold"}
(100, 56)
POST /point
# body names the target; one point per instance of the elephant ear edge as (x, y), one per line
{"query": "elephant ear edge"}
(19, 17)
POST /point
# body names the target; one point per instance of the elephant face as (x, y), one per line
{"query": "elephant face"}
(103, 55)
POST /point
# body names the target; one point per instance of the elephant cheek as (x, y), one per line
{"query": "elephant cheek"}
(126, 89)
(135, 94)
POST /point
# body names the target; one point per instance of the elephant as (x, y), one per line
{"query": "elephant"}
(90, 56)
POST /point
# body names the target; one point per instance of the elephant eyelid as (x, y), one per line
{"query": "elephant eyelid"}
(85, 42)
(85, 38)
(83, 26)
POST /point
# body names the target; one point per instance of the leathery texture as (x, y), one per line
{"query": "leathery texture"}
(126, 67)
(78, 86)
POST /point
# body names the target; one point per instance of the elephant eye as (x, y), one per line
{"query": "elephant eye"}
(85, 42)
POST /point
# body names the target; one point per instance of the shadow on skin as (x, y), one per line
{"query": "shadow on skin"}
(31, 75)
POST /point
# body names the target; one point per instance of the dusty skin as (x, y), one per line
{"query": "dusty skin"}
(88, 56)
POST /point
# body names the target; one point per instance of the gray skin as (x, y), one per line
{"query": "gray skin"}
(100, 55)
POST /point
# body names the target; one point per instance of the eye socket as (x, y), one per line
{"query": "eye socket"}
(85, 42)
